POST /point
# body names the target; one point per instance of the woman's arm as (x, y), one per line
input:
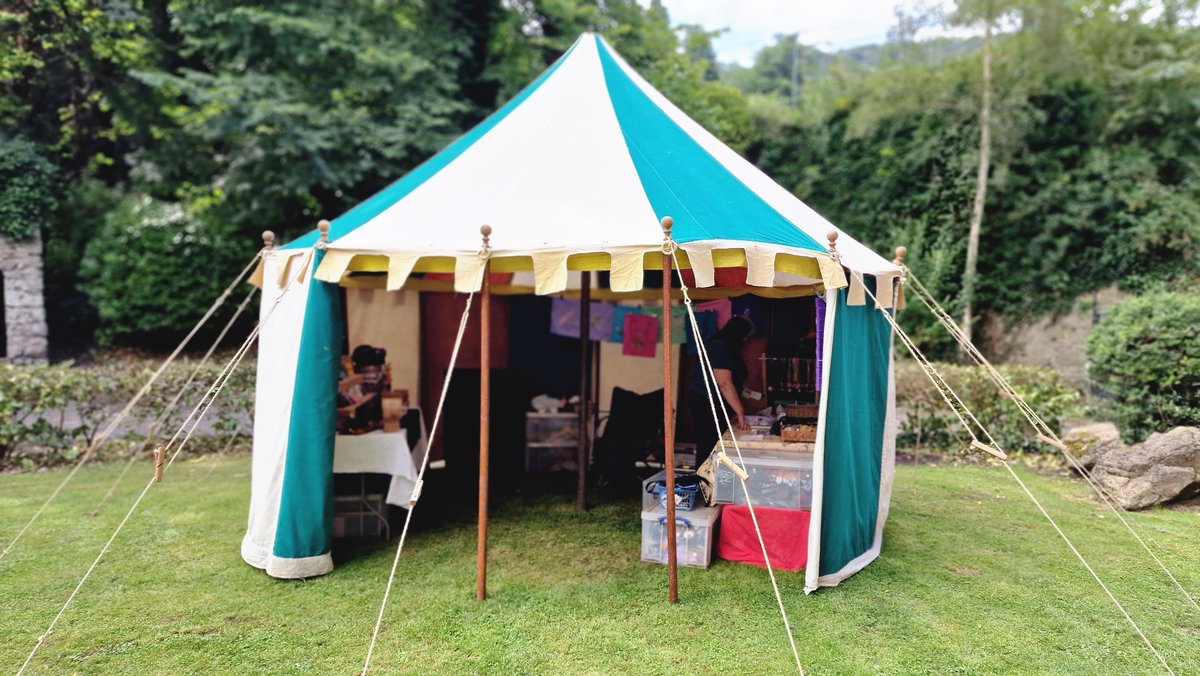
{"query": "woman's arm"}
(725, 384)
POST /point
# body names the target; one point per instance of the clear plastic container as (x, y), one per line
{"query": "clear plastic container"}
(694, 535)
(777, 479)
(551, 429)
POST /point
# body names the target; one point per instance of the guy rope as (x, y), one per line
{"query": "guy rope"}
(169, 409)
(975, 428)
(190, 424)
(1044, 432)
(416, 494)
(102, 437)
(738, 468)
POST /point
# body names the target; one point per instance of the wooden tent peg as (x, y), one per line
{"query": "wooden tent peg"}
(989, 449)
(1053, 442)
(160, 454)
(733, 466)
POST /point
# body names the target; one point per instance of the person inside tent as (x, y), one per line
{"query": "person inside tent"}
(725, 355)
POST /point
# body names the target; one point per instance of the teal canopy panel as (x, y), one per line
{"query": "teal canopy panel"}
(684, 180)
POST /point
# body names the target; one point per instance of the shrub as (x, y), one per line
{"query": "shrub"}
(55, 410)
(1145, 354)
(154, 268)
(928, 421)
(27, 189)
(50, 414)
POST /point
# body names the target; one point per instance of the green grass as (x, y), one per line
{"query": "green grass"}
(972, 580)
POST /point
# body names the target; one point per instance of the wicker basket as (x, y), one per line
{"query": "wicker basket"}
(802, 411)
(798, 432)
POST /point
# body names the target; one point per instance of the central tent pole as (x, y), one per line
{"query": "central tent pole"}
(485, 381)
(585, 386)
(669, 415)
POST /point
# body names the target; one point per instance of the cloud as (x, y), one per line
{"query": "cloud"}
(753, 24)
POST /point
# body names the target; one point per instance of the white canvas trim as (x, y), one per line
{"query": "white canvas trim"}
(400, 266)
(626, 271)
(813, 566)
(295, 569)
(760, 266)
(333, 266)
(887, 473)
(884, 285)
(701, 261)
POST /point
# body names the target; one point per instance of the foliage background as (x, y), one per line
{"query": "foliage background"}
(1145, 356)
(245, 116)
(151, 141)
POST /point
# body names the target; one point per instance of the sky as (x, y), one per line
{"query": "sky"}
(829, 25)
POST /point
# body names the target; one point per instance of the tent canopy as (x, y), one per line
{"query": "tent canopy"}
(575, 173)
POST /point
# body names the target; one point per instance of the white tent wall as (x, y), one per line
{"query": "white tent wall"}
(278, 362)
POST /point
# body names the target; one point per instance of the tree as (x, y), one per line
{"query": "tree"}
(985, 12)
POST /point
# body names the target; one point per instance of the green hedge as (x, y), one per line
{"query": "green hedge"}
(1145, 355)
(50, 414)
(927, 420)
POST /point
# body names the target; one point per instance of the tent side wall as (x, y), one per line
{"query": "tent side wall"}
(854, 465)
(290, 526)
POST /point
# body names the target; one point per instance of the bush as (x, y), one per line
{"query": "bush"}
(1145, 354)
(51, 414)
(27, 189)
(928, 421)
(154, 268)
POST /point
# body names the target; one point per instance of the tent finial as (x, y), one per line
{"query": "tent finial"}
(900, 252)
(832, 236)
(486, 231)
(268, 238)
(667, 224)
(323, 226)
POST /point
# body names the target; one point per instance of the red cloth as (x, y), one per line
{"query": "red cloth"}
(785, 531)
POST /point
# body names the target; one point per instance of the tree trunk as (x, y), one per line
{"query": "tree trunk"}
(981, 181)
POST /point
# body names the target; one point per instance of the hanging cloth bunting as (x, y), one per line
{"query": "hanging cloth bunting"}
(640, 335)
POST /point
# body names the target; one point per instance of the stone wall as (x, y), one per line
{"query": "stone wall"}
(24, 301)
(1057, 342)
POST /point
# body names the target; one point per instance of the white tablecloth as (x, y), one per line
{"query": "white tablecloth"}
(382, 452)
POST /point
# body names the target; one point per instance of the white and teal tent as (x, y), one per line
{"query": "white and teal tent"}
(572, 174)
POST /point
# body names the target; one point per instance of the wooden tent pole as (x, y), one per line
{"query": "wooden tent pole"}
(669, 417)
(485, 378)
(585, 387)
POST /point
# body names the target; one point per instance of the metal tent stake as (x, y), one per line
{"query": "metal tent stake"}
(669, 415)
(485, 378)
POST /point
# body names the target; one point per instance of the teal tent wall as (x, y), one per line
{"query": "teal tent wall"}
(305, 525)
(856, 411)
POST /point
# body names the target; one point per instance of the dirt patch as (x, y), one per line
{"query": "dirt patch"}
(963, 570)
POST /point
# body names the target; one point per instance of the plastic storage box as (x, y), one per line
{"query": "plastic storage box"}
(694, 535)
(551, 441)
(777, 479)
(651, 498)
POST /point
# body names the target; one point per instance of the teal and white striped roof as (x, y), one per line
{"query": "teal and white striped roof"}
(585, 161)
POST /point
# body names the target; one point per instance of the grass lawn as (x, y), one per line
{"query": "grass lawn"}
(972, 580)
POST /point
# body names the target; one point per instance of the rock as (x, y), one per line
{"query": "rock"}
(1162, 468)
(1089, 443)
